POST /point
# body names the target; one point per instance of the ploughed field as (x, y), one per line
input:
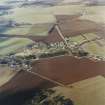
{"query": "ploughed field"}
(67, 69)
(64, 70)
(70, 26)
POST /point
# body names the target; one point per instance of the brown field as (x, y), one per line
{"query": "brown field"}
(67, 69)
(67, 18)
(70, 26)
(64, 69)
(53, 37)
(23, 81)
(75, 26)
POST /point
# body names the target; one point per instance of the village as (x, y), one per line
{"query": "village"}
(52, 52)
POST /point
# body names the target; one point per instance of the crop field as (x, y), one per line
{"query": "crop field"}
(94, 49)
(67, 9)
(16, 31)
(61, 9)
(94, 13)
(90, 36)
(34, 30)
(78, 39)
(40, 15)
(44, 15)
(12, 45)
(90, 91)
(32, 19)
(40, 29)
(24, 19)
(1, 1)
(38, 24)
(6, 74)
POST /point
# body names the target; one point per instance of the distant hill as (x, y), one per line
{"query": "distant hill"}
(34, 2)
(71, 1)
(94, 2)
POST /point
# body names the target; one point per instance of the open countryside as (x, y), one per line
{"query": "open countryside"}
(52, 52)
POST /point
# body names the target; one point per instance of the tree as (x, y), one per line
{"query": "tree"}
(46, 97)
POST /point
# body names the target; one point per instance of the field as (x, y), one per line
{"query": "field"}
(34, 22)
(40, 15)
(78, 39)
(13, 45)
(1, 1)
(65, 66)
(94, 13)
(96, 48)
(87, 92)
(6, 74)
(34, 30)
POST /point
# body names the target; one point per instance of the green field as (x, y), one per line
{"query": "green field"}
(94, 13)
(13, 45)
(40, 15)
(6, 74)
(34, 30)
(90, 36)
(78, 39)
(35, 16)
(94, 49)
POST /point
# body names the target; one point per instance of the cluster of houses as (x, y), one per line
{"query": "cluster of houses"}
(32, 52)
(15, 63)
(39, 50)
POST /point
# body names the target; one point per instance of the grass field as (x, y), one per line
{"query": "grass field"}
(33, 15)
(67, 9)
(40, 15)
(34, 30)
(12, 45)
(94, 49)
(30, 17)
(94, 13)
(79, 39)
(90, 36)
(6, 74)
(87, 92)
(2, 1)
